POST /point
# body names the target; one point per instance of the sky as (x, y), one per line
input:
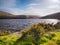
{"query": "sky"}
(30, 7)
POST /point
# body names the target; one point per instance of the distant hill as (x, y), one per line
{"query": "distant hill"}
(52, 16)
(6, 15)
(26, 17)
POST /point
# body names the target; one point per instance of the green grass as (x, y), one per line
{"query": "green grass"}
(9, 39)
(53, 40)
(38, 34)
(45, 40)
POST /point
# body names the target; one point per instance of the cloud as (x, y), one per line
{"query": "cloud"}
(44, 7)
(37, 7)
(7, 3)
(16, 11)
(41, 8)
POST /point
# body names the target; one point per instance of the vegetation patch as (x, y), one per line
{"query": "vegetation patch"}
(37, 34)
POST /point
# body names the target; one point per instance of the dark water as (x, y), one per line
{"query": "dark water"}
(22, 23)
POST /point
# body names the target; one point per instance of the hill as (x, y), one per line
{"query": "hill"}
(52, 16)
(33, 34)
(26, 17)
(6, 15)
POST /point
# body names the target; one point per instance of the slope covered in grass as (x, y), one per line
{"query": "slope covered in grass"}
(37, 34)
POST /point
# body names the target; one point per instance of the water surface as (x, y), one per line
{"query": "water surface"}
(18, 24)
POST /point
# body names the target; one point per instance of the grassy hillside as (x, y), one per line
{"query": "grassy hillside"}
(52, 16)
(6, 15)
(37, 34)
